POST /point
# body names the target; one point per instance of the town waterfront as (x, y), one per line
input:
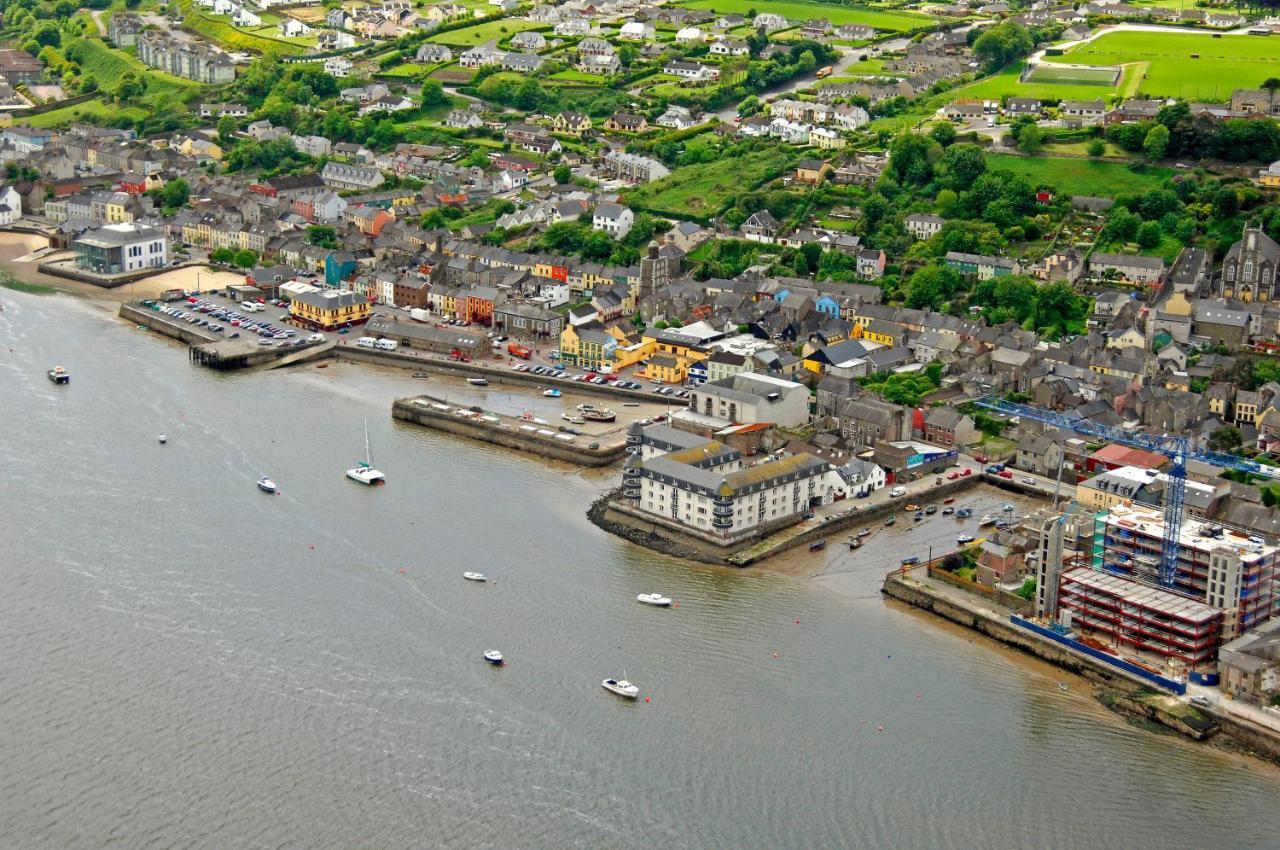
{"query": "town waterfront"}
(190, 662)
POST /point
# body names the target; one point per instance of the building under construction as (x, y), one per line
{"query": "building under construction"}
(1108, 581)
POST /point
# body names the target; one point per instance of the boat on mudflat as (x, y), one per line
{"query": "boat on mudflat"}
(478, 382)
(600, 415)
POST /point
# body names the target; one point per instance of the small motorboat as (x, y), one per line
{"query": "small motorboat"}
(474, 576)
(931, 510)
(866, 532)
(891, 520)
(1002, 524)
(163, 439)
(964, 513)
(1007, 507)
(964, 538)
(912, 561)
(478, 382)
(573, 420)
(551, 392)
(266, 485)
(59, 375)
(911, 506)
(948, 500)
(604, 415)
(948, 511)
(621, 687)
(817, 545)
(631, 404)
(655, 599)
(855, 543)
(493, 657)
(421, 375)
(919, 516)
(987, 519)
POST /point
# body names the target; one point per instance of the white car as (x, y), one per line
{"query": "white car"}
(316, 338)
(1028, 480)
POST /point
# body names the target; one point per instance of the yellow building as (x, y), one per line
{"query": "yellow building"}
(668, 369)
(117, 209)
(329, 309)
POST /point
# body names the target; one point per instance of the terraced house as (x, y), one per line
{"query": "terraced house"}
(183, 56)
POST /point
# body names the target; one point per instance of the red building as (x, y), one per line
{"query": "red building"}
(1114, 456)
(479, 305)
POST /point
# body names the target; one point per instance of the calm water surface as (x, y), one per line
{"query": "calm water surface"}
(187, 662)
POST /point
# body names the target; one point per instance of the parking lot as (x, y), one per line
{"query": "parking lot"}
(228, 319)
(559, 370)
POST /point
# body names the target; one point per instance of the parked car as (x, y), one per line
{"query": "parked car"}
(1004, 473)
(1027, 480)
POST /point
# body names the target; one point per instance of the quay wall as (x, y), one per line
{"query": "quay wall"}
(1122, 692)
(493, 371)
(164, 325)
(406, 410)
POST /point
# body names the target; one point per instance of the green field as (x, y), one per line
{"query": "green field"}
(480, 33)
(1007, 83)
(89, 110)
(704, 189)
(800, 11)
(228, 37)
(569, 75)
(1081, 176)
(1226, 62)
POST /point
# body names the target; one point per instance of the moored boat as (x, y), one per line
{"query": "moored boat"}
(266, 485)
(931, 510)
(914, 559)
(655, 599)
(469, 576)
(891, 520)
(478, 382)
(363, 472)
(551, 392)
(948, 511)
(604, 415)
(493, 657)
(59, 375)
(964, 538)
(621, 687)
(864, 532)
(855, 543)
(964, 513)
(987, 519)
(163, 439)
(817, 545)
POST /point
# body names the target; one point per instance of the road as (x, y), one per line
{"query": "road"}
(848, 56)
(97, 19)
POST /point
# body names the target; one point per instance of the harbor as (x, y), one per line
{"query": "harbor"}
(348, 619)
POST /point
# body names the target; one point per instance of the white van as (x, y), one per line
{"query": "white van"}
(250, 306)
(387, 344)
(898, 491)
(367, 342)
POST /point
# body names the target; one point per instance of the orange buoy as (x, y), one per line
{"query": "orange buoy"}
(646, 699)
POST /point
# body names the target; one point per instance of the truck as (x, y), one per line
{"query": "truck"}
(171, 295)
(419, 315)
(456, 355)
(517, 350)
(824, 72)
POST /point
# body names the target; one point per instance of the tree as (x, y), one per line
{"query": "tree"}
(323, 235)
(944, 133)
(1096, 147)
(433, 94)
(1001, 44)
(1226, 439)
(175, 194)
(1156, 142)
(911, 158)
(627, 55)
(244, 259)
(49, 35)
(1031, 139)
(223, 256)
(1149, 234)
(963, 164)
(931, 286)
(226, 129)
(563, 174)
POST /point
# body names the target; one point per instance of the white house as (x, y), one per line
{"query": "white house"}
(122, 247)
(613, 219)
(750, 399)
(430, 53)
(244, 18)
(857, 479)
(770, 22)
(328, 206)
(224, 7)
(480, 56)
(10, 204)
(292, 28)
(678, 117)
(729, 47)
(637, 31)
(338, 66)
(923, 225)
(847, 116)
(689, 35)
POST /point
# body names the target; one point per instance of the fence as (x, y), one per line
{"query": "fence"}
(1156, 679)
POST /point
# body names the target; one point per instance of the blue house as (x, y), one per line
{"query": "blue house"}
(828, 306)
(338, 266)
(698, 372)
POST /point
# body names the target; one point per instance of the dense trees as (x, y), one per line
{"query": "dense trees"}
(999, 45)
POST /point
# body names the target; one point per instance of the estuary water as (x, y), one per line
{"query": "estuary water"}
(188, 662)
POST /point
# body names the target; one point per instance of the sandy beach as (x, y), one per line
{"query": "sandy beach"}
(16, 248)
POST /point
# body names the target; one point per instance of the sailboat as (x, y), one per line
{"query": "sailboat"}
(363, 471)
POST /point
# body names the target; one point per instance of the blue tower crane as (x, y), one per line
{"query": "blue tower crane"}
(1177, 448)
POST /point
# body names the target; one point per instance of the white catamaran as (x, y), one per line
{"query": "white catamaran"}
(363, 471)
